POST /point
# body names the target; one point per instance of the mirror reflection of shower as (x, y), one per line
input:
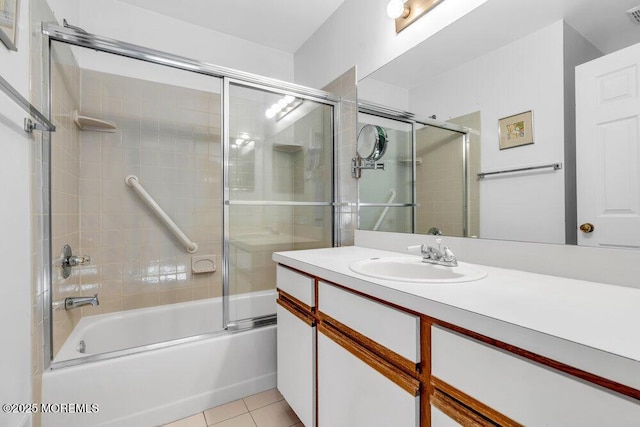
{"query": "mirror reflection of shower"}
(426, 181)
(386, 191)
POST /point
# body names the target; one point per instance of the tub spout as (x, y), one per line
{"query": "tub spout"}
(73, 302)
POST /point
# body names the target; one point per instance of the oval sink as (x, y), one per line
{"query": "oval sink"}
(409, 269)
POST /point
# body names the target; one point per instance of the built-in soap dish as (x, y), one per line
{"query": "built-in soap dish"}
(203, 264)
(93, 124)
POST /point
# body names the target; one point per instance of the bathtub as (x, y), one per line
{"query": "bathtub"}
(164, 382)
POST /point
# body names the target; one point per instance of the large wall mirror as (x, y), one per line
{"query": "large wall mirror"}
(548, 94)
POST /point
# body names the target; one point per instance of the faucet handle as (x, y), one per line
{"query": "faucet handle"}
(449, 257)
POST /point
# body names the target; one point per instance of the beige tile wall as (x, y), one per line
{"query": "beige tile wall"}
(439, 179)
(65, 196)
(345, 86)
(169, 137)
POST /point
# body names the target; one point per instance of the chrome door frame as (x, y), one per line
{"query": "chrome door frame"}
(226, 202)
(53, 32)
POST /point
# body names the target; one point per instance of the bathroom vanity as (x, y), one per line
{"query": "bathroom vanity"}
(512, 348)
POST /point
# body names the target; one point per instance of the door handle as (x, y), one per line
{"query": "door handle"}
(587, 227)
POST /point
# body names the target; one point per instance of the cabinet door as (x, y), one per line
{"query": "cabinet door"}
(525, 391)
(352, 393)
(296, 363)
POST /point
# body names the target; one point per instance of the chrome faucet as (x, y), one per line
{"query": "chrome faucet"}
(73, 302)
(438, 256)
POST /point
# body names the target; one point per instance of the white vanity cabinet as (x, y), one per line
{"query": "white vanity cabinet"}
(363, 347)
(296, 341)
(525, 391)
(346, 358)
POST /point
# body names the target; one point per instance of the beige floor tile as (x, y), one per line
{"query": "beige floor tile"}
(193, 421)
(275, 415)
(224, 412)
(291, 413)
(263, 399)
(244, 420)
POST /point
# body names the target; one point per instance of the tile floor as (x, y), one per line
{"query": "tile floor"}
(266, 409)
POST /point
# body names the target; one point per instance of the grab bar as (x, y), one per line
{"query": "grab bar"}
(29, 125)
(133, 182)
(385, 210)
(555, 167)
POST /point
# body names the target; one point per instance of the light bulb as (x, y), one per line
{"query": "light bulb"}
(239, 141)
(270, 113)
(282, 103)
(395, 9)
(289, 99)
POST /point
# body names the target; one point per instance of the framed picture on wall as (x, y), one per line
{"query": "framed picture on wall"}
(9, 23)
(516, 130)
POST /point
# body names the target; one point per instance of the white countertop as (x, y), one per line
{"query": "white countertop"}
(592, 326)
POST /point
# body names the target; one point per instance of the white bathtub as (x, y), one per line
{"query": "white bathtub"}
(161, 385)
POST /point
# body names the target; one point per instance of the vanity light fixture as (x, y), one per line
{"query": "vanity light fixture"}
(407, 11)
(283, 107)
(397, 9)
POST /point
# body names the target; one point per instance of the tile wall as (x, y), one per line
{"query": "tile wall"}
(345, 86)
(65, 194)
(169, 137)
(439, 179)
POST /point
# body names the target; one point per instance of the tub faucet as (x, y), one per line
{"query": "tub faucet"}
(73, 302)
(438, 256)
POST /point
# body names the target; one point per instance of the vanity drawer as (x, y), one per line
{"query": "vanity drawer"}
(298, 285)
(527, 392)
(394, 329)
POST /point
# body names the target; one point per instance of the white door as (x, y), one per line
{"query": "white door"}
(607, 150)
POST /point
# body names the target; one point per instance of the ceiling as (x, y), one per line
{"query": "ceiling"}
(281, 24)
(499, 22)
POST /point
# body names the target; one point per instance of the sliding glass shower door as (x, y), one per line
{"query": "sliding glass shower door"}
(278, 189)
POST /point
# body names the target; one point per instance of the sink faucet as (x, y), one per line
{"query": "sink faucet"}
(73, 302)
(438, 256)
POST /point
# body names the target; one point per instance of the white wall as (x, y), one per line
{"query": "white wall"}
(524, 75)
(15, 286)
(120, 21)
(65, 9)
(360, 33)
(382, 93)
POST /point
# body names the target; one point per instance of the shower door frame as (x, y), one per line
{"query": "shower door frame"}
(378, 110)
(244, 324)
(77, 37)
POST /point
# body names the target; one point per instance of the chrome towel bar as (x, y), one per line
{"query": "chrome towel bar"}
(29, 126)
(555, 167)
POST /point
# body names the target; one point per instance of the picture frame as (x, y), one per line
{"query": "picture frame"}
(9, 23)
(516, 130)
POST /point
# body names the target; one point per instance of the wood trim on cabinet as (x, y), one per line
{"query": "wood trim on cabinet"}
(295, 301)
(567, 369)
(404, 381)
(406, 365)
(440, 386)
(425, 372)
(309, 320)
(458, 412)
(542, 360)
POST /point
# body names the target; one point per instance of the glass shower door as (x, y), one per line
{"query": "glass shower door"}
(278, 188)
